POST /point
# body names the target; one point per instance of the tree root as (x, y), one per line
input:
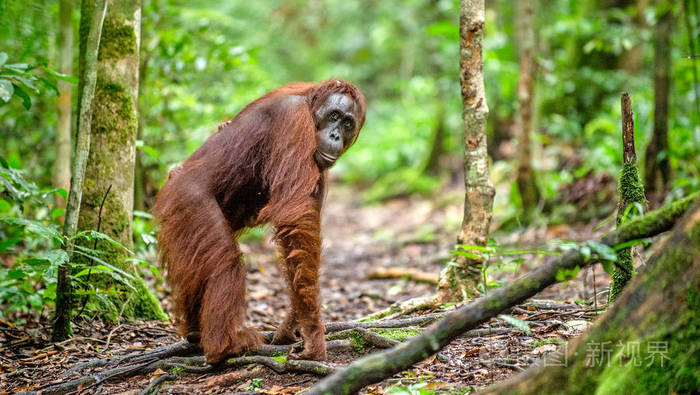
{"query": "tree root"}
(156, 382)
(179, 357)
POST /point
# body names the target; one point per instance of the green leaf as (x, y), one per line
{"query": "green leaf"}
(57, 257)
(18, 67)
(103, 263)
(91, 235)
(3, 58)
(567, 274)
(5, 244)
(5, 205)
(62, 192)
(6, 90)
(515, 323)
(26, 100)
(35, 227)
(147, 149)
(57, 212)
(466, 254)
(142, 214)
(16, 274)
(603, 251)
(61, 76)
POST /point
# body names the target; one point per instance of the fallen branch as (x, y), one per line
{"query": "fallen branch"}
(378, 366)
(404, 272)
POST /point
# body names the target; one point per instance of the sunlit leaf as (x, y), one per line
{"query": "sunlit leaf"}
(6, 90)
(516, 323)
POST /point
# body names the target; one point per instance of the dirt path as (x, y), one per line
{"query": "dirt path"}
(407, 232)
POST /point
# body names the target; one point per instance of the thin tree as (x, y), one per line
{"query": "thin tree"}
(92, 16)
(631, 195)
(525, 36)
(112, 157)
(459, 280)
(657, 172)
(61, 167)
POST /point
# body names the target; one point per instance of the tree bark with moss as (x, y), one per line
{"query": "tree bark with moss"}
(112, 154)
(648, 342)
(631, 193)
(459, 279)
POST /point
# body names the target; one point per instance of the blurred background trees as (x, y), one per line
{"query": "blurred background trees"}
(201, 62)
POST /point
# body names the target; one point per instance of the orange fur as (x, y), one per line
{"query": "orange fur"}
(258, 168)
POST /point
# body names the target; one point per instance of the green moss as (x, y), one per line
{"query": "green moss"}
(118, 40)
(280, 358)
(399, 334)
(358, 342)
(114, 114)
(630, 187)
(622, 273)
(631, 191)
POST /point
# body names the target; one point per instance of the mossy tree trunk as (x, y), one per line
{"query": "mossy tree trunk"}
(112, 153)
(648, 342)
(458, 281)
(631, 193)
(525, 37)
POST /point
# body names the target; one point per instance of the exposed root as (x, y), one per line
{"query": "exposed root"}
(156, 382)
(367, 336)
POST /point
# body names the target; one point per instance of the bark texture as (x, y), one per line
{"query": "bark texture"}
(646, 343)
(657, 172)
(525, 34)
(92, 15)
(458, 281)
(61, 167)
(112, 154)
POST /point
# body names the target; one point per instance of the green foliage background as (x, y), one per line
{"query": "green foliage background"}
(203, 61)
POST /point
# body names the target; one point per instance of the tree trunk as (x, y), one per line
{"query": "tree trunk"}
(458, 281)
(112, 155)
(91, 16)
(525, 36)
(631, 192)
(646, 343)
(61, 168)
(657, 172)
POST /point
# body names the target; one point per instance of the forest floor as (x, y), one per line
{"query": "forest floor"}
(410, 232)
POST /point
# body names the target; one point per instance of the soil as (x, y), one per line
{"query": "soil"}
(409, 232)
